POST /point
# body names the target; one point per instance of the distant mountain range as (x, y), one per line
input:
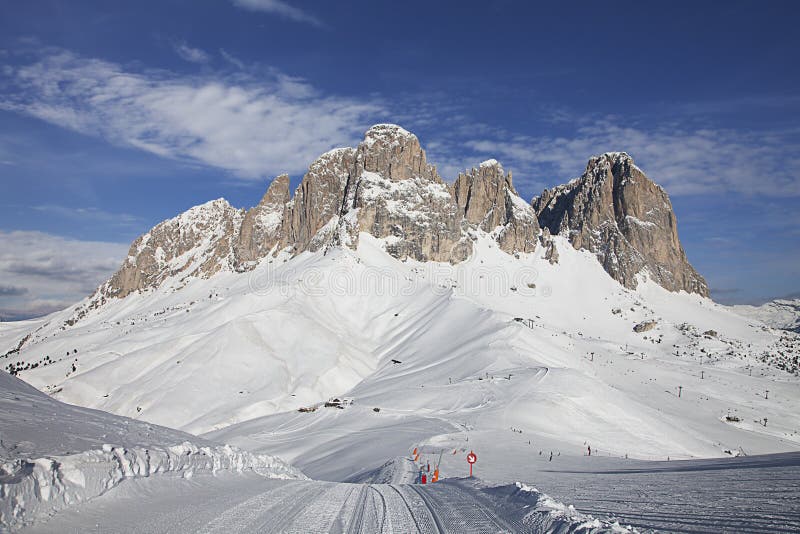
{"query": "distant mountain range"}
(779, 313)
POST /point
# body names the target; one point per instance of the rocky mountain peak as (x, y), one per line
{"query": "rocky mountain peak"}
(487, 199)
(617, 212)
(394, 153)
(491, 163)
(386, 187)
(387, 134)
(199, 242)
(262, 226)
(277, 193)
(318, 200)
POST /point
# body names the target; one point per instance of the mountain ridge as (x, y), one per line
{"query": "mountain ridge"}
(386, 187)
(781, 313)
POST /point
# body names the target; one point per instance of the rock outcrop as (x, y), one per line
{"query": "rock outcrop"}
(395, 194)
(199, 242)
(618, 213)
(313, 212)
(386, 187)
(262, 226)
(487, 199)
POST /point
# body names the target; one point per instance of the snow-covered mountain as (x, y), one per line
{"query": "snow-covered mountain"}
(433, 312)
(618, 213)
(385, 187)
(783, 314)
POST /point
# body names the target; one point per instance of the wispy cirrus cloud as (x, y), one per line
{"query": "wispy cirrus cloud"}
(191, 54)
(281, 8)
(43, 273)
(683, 159)
(251, 123)
(90, 214)
(233, 60)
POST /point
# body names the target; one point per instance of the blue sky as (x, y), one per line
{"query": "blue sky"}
(115, 116)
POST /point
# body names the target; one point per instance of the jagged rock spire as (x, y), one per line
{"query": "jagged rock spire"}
(262, 227)
(617, 212)
(486, 198)
(386, 187)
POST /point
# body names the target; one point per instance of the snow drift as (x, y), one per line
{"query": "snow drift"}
(50, 456)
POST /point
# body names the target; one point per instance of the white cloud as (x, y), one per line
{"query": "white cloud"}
(683, 160)
(193, 55)
(42, 273)
(233, 60)
(279, 7)
(90, 214)
(250, 124)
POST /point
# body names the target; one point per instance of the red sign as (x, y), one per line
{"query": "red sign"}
(471, 459)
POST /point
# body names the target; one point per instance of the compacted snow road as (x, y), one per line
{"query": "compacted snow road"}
(254, 504)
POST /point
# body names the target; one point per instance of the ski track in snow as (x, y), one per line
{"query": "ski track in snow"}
(753, 494)
(250, 504)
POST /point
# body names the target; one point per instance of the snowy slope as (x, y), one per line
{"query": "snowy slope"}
(33, 425)
(53, 454)
(507, 355)
(295, 333)
(449, 341)
(779, 313)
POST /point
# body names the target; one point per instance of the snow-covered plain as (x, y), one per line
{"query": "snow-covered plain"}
(504, 355)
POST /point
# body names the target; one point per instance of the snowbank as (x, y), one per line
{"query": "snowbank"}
(549, 515)
(30, 489)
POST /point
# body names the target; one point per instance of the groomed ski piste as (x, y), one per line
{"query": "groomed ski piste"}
(214, 488)
(510, 357)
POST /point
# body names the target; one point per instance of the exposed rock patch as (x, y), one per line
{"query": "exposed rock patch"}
(487, 199)
(199, 241)
(645, 326)
(618, 213)
(263, 226)
(386, 187)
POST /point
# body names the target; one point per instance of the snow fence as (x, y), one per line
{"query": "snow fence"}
(31, 489)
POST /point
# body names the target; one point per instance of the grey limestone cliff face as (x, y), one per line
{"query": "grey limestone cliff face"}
(396, 194)
(386, 187)
(618, 213)
(317, 204)
(487, 199)
(200, 241)
(262, 226)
